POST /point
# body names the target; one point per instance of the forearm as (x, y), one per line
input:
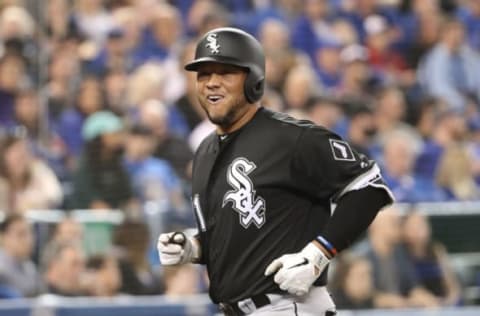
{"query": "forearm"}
(353, 214)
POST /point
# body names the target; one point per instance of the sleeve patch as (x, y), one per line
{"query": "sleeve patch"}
(341, 150)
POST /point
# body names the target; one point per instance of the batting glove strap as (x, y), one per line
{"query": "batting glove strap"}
(316, 257)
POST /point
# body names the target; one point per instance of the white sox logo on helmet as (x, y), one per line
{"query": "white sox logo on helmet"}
(250, 208)
(212, 43)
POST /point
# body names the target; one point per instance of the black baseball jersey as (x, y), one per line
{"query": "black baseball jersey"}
(264, 191)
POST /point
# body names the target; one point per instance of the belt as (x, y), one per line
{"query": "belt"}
(244, 307)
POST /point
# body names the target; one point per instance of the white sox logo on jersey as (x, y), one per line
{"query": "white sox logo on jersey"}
(250, 208)
(212, 43)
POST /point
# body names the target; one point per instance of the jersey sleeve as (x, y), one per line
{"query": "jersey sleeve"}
(327, 167)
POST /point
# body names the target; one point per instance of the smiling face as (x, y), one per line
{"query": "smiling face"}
(220, 93)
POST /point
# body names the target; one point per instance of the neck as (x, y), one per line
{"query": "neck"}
(240, 122)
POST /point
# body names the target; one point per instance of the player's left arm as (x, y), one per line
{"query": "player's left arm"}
(296, 272)
(354, 185)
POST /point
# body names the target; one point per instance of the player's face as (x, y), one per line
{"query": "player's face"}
(220, 92)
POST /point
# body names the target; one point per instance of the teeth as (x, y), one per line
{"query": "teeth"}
(214, 98)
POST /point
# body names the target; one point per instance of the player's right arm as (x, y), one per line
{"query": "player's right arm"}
(176, 248)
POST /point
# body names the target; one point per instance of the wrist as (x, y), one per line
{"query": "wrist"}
(326, 246)
(315, 255)
(322, 249)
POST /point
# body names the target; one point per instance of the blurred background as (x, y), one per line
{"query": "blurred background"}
(99, 123)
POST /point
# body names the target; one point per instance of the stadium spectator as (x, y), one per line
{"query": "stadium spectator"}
(13, 77)
(45, 144)
(344, 32)
(352, 283)
(26, 183)
(93, 20)
(104, 276)
(324, 111)
(89, 100)
(161, 37)
(188, 105)
(115, 84)
(127, 18)
(430, 259)
(358, 78)
(68, 230)
(312, 27)
(401, 148)
(423, 38)
(149, 82)
(101, 181)
(381, 55)
(423, 115)
(361, 129)
(390, 110)
(469, 14)
(16, 22)
(454, 174)
(394, 276)
(114, 56)
(145, 83)
(28, 113)
(197, 14)
(131, 241)
(473, 147)
(449, 70)
(153, 179)
(154, 115)
(64, 269)
(62, 79)
(181, 281)
(167, 27)
(18, 274)
(356, 12)
(220, 17)
(17, 35)
(300, 84)
(274, 35)
(327, 64)
(449, 127)
(280, 57)
(410, 18)
(278, 64)
(59, 22)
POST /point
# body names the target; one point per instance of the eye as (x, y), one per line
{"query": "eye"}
(202, 75)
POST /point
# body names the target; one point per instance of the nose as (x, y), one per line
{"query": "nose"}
(213, 81)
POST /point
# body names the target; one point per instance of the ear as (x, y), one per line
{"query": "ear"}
(254, 86)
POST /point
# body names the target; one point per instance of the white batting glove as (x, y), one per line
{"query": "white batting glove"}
(176, 248)
(296, 272)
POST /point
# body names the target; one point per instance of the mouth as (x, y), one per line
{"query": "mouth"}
(214, 98)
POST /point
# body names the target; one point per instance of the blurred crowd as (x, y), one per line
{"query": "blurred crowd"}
(97, 113)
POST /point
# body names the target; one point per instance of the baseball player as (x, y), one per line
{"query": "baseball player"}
(275, 198)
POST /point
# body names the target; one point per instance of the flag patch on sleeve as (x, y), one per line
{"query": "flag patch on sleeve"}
(341, 150)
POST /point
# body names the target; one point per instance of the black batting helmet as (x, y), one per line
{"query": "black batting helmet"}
(233, 46)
